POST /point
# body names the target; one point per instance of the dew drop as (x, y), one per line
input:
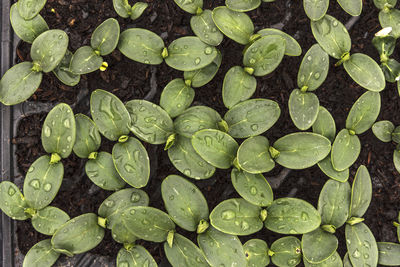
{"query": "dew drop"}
(132, 212)
(47, 131)
(187, 172)
(35, 184)
(309, 58)
(67, 123)
(253, 190)
(171, 197)
(145, 222)
(123, 264)
(254, 127)
(135, 197)
(11, 191)
(197, 61)
(109, 203)
(69, 138)
(335, 23)
(356, 253)
(47, 187)
(317, 75)
(208, 50)
(228, 215)
(304, 216)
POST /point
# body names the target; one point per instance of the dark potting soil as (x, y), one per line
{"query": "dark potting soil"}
(128, 80)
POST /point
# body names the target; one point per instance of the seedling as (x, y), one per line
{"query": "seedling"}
(317, 10)
(389, 16)
(28, 9)
(125, 10)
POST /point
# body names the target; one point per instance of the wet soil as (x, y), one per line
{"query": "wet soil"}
(128, 80)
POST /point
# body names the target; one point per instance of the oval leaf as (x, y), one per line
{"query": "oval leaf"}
(345, 150)
(41, 254)
(325, 124)
(137, 256)
(361, 193)
(389, 254)
(47, 221)
(64, 73)
(12, 202)
(190, 6)
(105, 37)
(30, 9)
(391, 18)
(242, 6)
(253, 155)
(292, 46)
(122, 233)
(326, 167)
(287, 251)
(88, 138)
(138, 9)
(303, 109)
(318, 245)
(256, 251)
(201, 77)
(333, 261)
(353, 7)
(85, 60)
(204, 27)
(315, 10)
(122, 7)
(176, 97)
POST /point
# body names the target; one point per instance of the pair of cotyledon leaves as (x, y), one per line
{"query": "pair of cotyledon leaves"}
(316, 9)
(125, 10)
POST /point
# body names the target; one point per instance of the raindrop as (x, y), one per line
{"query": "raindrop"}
(129, 168)
(335, 23)
(132, 212)
(35, 184)
(245, 226)
(47, 131)
(253, 190)
(145, 222)
(254, 127)
(135, 197)
(31, 169)
(187, 172)
(228, 215)
(146, 62)
(47, 187)
(317, 75)
(109, 203)
(69, 138)
(309, 58)
(302, 78)
(197, 61)
(67, 123)
(11, 191)
(252, 61)
(171, 197)
(208, 50)
(123, 264)
(356, 253)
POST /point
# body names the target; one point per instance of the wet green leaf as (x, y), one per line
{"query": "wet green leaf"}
(346, 261)
(383, 130)
(221, 249)
(12, 202)
(287, 251)
(148, 223)
(396, 135)
(389, 253)
(238, 86)
(301, 150)
(41, 254)
(190, 6)
(384, 44)
(122, 7)
(150, 122)
(391, 18)
(184, 253)
(28, 9)
(190, 53)
(313, 69)
(333, 261)
(88, 138)
(216, 147)
(334, 204)
(381, 3)
(361, 245)
(318, 245)
(325, 124)
(391, 70)
(27, 30)
(176, 97)
(396, 160)
(49, 48)
(242, 6)
(352, 7)
(292, 46)
(47, 221)
(345, 150)
(85, 60)
(253, 155)
(78, 235)
(105, 37)
(332, 36)
(122, 233)
(326, 167)
(109, 114)
(42, 182)
(19, 83)
(59, 131)
(365, 71)
(252, 117)
(265, 54)
(204, 27)
(303, 109)
(64, 73)
(235, 25)
(138, 9)
(202, 76)
(137, 256)
(315, 10)
(361, 193)
(256, 251)
(184, 202)
(132, 162)
(141, 45)
(292, 216)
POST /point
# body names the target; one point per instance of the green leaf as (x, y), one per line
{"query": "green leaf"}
(254, 188)
(190, 53)
(346, 261)
(176, 97)
(184, 253)
(202, 76)
(183, 156)
(132, 162)
(19, 83)
(361, 193)
(384, 44)
(396, 160)
(42, 182)
(365, 71)
(391, 18)
(221, 249)
(313, 69)
(64, 73)
(326, 167)
(78, 235)
(49, 48)
(109, 114)
(30, 9)
(59, 131)
(85, 60)
(391, 70)
(303, 109)
(318, 245)
(138, 9)
(137, 256)
(88, 138)
(315, 10)
(253, 155)
(105, 37)
(301, 150)
(383, 130)
(149, 121)
(287, 251)
(204, 27)
(122, 233)
(333, 261)
(381, 3)
(184, 202)
(148, 223)
(334, 203)
(325, 124)
(118, 202)
(141, 45)
(47, 221)
(396, 135)
(235, 25)
(41, 254)
(352, 7)
(292, 216)
(27, 30)
(252, 117)
(190, 6)
(216, 147)
(332, 36)
(389, 254)
(101, 172)
(236, 216)
(256, 251)
(242, 6)
(292, 46)
(12, 202)
(361, 245)
(122, 7)
(265, 54)
(238, 86)
(345, 150)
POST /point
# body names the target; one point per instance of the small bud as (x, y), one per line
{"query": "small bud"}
(249, 70)
(170, 142)
(36, 67)
(263, 215)
(271, 253)
(223, 126)
(54, 158)
(165, 53)
(354, 220)
(199, 11)
(170, 238)
(104, 66)
(352, 132)
(274, 153)
(329, 228)
(30, 211)
(236, 164)
(93, 155)
(129, 246)
(254, 37)
(188, 83)
(304, 89)
(202, 227)
(102, 221)
(123, 139)
(53, 10)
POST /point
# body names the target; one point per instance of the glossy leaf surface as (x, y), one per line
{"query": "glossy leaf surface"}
(391, 19)
(327, 168)
(137, 256)
(48, 220)
(253, 155)
(122, 7)
(88, 138)
(201, 77)
(325, 124)
(361, 193)
(318, 245)
(292, 46)
(105, 37)
(122, 233)
(242, 6)
(315, 10)
(303, 109)
(287, 251)
(361, 245)
(381, 3)
(176, 97)
(256, 251)
(345, 150)
(333, 261)
(352, 7)
(29, 9)
(389, 253)
(204, 27)
(41, 254)
(64, 73)
(137, 10)
(190, 6)
(85, 60)
(12, 202)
